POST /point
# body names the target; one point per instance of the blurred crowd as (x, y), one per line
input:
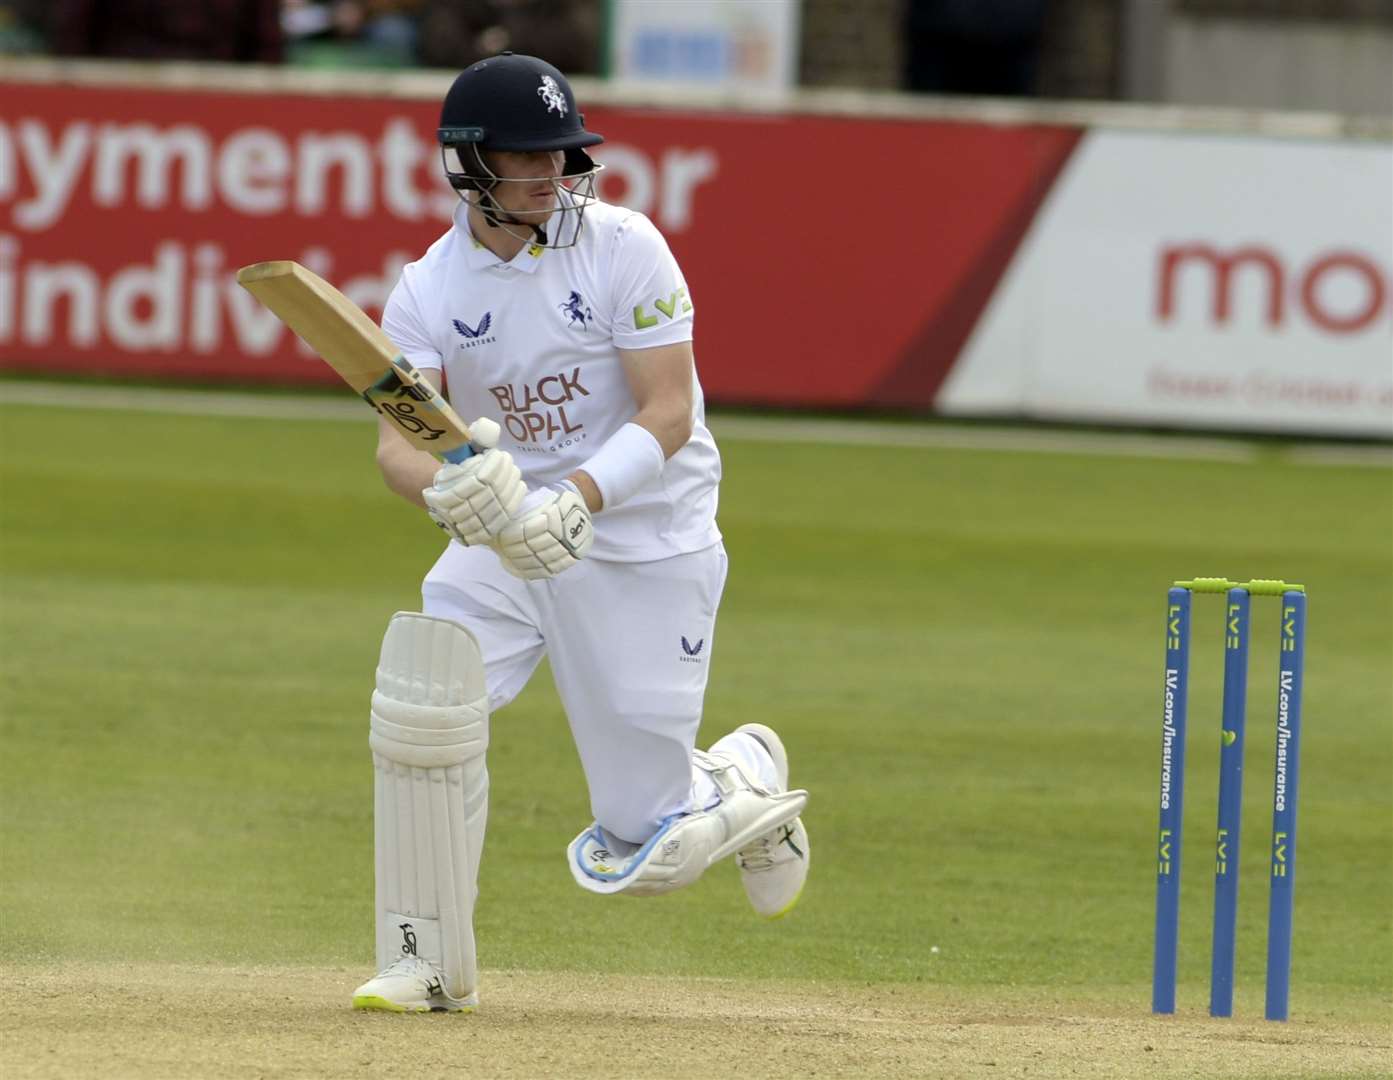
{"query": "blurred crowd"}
(1068, 49)
(963, 46)
(966, 46)
(314, 33)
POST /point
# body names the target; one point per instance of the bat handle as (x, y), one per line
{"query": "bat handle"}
(483, 435)
(459, 454)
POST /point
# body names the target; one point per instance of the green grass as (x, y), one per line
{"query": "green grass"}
(963, 650)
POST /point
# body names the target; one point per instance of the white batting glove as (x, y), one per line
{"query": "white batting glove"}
(474, 500)
(551, 533)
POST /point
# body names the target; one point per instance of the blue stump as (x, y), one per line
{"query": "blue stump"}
(1226, 843)
(1176, 690)
(1288, 756)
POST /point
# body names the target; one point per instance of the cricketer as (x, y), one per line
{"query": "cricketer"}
(585, 533)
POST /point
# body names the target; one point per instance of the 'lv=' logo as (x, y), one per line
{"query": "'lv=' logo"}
(1235, 627)
(643, 320)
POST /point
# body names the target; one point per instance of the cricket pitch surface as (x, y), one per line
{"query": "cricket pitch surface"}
(157, 1021)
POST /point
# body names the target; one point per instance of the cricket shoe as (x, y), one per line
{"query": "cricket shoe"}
(774, 866)
(410, 984)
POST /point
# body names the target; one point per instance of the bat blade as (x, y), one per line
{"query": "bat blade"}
(354, 346)
(329, 323)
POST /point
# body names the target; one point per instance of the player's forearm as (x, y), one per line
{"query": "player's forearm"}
(406, 470)
(589, 490)
(670, 422)
(667, 424)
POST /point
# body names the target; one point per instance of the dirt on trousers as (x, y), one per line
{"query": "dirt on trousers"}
(156, 1021)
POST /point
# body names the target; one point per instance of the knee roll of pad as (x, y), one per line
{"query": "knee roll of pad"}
(430, 707)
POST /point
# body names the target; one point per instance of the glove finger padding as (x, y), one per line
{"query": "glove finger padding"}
(551, 538)
(473, 501)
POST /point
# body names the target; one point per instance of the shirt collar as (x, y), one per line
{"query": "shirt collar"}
(478, 257)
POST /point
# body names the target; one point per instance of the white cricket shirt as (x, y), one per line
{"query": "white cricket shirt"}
(532, 344)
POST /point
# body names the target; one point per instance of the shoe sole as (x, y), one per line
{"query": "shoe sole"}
(789, 907)
(374, 1003)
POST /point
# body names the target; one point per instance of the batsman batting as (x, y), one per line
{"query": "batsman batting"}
(580, 517)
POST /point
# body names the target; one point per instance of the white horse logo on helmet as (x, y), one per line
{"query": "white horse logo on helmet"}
(552, 95)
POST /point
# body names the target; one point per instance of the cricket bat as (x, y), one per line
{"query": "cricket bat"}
(353, 345)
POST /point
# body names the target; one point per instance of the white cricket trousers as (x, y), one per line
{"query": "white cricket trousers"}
(630, 646)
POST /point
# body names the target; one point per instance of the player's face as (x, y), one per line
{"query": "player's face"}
(527, 190)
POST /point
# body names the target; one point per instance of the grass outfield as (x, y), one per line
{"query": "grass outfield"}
(961, 648)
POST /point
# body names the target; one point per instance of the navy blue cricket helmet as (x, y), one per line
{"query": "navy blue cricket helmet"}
(513, 102)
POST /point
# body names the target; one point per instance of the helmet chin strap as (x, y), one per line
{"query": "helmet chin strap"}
(498, 218)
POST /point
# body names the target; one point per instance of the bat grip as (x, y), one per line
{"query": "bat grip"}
(459, 454)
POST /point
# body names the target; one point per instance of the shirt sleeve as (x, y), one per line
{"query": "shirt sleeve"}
(651, 304)
(402, 322)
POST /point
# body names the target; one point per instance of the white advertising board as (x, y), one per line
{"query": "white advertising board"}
(1203, 281)
(733, 44)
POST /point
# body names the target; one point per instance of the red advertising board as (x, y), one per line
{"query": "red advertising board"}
(833, 260)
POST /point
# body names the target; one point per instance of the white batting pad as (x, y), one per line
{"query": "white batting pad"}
(429, 732)
(686, 844)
